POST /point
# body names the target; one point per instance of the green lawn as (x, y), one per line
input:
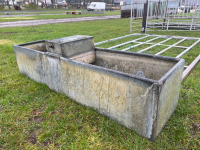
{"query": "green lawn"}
(34, 117)
(21, 18)
(40, 12)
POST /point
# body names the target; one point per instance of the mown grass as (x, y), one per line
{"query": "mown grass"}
(35, 12)
(53, 16)
(34, 117)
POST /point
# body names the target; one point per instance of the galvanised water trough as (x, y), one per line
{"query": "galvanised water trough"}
(137, 90)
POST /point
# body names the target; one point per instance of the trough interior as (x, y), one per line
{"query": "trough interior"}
(143, 66)
(151, 68)
(39, 46)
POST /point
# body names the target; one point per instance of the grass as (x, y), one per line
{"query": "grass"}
(112, 43)
(34, 117)
(41, 12)
(21, 18)
(156, 49)
(35, 12)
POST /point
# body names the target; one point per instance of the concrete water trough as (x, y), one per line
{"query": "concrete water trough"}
(137, 90)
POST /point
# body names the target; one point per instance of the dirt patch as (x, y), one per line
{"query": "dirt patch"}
(195, 128)
(1, 109)
(1, 147)
(36, 119)
(33, 135)
(32, 139)
(80, 128)
(46, 143)
(193, 117)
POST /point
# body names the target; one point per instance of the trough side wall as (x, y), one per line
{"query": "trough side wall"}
(29, 62)
(122, 98)
(51, 71)
(168, 96)
(39, 66)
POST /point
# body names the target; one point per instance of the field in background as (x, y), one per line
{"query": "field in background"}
(48, 11)
(33, 116)
(33, 12)
(21, 18)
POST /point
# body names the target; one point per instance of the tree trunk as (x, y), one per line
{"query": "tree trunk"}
(8, 4)
(84, 4)
(52, 2)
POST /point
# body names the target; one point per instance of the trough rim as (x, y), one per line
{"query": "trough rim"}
(85, 38)
(158, 82)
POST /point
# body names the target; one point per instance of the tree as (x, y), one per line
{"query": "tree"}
(8, 4)
(52, 2)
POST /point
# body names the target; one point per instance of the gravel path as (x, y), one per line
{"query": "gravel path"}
(54, 21)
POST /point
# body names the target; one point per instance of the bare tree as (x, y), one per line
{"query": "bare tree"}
(52, 2)
(8, 4)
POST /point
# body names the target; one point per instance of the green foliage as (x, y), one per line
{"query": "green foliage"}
(1, 6)
(34, 117)
(31, 6)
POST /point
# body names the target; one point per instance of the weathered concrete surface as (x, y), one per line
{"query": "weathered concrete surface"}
(87, 57)
(54, 21)
(131, 64)
(141, 104)
(124, 99)
(51, 71)
(168, 98)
